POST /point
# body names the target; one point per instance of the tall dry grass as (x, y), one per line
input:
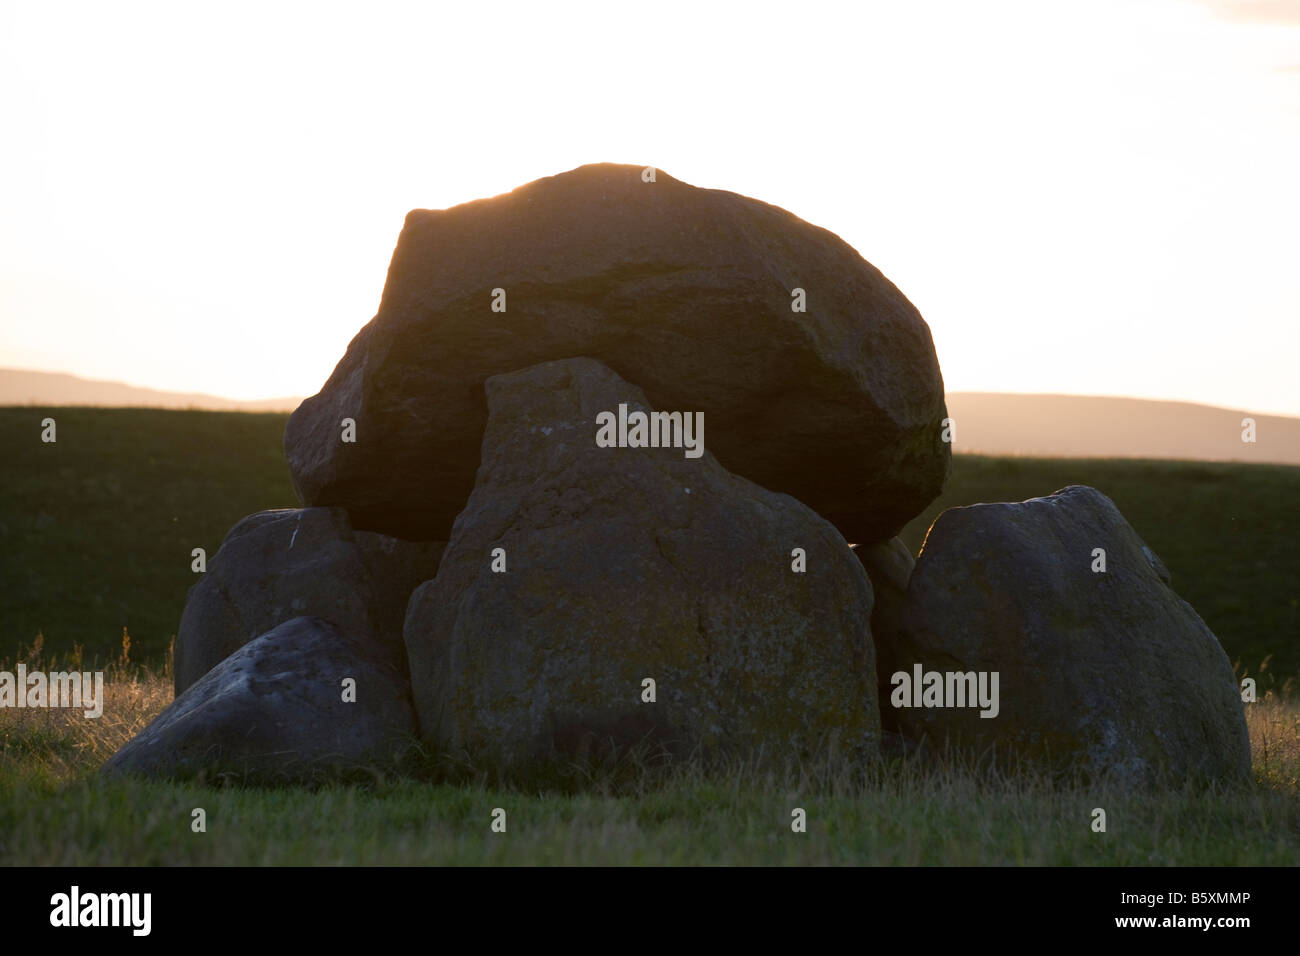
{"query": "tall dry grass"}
(62, 744)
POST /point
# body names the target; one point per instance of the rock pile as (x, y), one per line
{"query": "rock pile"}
(534, 392)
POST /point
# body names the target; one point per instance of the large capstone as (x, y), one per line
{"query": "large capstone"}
(817, 377)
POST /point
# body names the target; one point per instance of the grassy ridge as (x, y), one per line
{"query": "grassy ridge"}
(96, 529)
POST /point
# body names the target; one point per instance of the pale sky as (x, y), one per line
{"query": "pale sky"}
(1081, 196)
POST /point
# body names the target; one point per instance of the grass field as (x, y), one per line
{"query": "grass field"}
(97, 531)
(53, 810)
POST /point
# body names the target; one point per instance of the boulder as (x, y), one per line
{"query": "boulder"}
(889, 565)
(274, 713)
(277, 565)
(689, 293)
(625, 564)
(1109, 672)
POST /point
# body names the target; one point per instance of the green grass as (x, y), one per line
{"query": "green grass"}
(96, 529)
(407, 823)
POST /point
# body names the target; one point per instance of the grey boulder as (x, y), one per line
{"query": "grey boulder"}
(277, 565)
(275, 712)
(624, 565)
(1109, 672)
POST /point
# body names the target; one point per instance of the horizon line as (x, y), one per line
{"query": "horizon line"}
(298, 399)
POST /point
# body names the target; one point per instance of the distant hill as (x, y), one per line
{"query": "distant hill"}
(23, 387)
(991, 423)
(1074, 426)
